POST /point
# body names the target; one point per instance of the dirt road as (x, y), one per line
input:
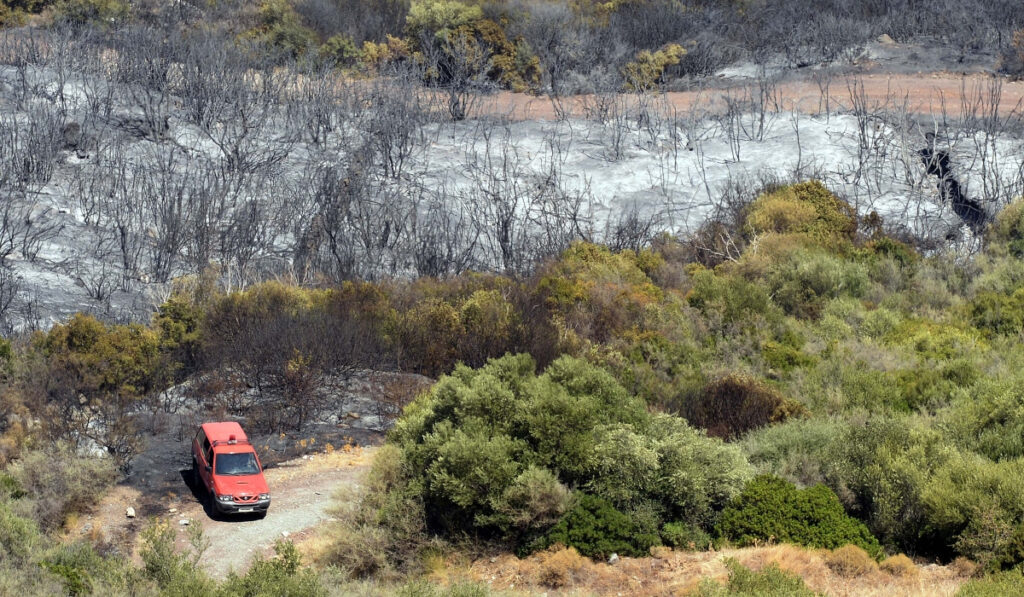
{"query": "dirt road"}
(304, 473)
(934, 93)
(302, 493)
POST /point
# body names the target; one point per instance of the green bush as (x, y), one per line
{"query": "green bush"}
(782, 358)
(174, 572)
(731, 299)
(280, 576)
(19, 537)
(339, 50)
(803, 283)
(680, 535)
(99, 12)
(59, 482)
(803, 208)
(491, 452)
(469, 47)
(773, 508)
(645, 72)
(596, 529)
(991, 420)
(83, 571)
(998, 313)
(281, 27)
(1005, 236)
(797, 450)
(771, 581)
(993, 585)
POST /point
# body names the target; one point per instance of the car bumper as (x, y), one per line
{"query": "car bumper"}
(258, 506)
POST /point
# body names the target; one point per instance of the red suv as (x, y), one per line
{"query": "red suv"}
(225, 465)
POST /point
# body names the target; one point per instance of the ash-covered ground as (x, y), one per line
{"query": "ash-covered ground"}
(120, 174)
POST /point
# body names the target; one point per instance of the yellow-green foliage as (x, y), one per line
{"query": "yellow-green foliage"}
(597, 293)
(339, 50)
(119, 360)
(645, 72)
(1006, 234)
(439, 17)
(281, 27)
(7, 16)
(470, 45)
(270, 299)
(392, 49)
(100, 12)
(789, 211)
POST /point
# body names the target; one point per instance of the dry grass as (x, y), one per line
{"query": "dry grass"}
(563, 572)
(901, 566)
(346, 456)
(850, 561)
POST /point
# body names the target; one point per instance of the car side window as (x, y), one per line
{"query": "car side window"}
(207, 451)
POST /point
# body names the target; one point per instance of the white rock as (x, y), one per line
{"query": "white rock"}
(284, 533)
(614, 558)
(172, 510)
(130, 512)
(184, 522)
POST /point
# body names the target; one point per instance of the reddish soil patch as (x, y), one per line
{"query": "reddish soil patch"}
(925, 93)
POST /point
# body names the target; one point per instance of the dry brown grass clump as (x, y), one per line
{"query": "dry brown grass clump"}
(559, 566)
(964, 567)
(850, 561)
(562, 572)
(900, 566)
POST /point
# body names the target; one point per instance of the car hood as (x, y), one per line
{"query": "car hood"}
(240, 485)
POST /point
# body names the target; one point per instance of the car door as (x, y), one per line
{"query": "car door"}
(205, 459)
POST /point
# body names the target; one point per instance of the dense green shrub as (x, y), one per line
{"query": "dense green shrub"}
(339, 50)
(1006, 234)
(731, 299)
(999, 313)
(803, 283)
(467, 47)
(492, 450)
(805, 208)
(596, 529)
(991, 420)
(684, 536)
(645, 72)
(773, 508)
(282, 28)
(174, 572)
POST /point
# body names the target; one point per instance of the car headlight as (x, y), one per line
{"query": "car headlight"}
(225, 498)
(264, 496)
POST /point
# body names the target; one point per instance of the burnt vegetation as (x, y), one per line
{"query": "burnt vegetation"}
(254, 220)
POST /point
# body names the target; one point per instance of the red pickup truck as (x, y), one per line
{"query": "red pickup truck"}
(225, 465)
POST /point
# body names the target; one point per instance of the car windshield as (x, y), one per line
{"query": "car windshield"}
(237, 464)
